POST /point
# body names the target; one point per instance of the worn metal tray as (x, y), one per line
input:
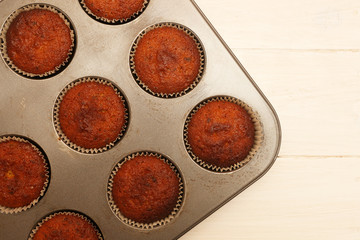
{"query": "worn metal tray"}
(79, 181)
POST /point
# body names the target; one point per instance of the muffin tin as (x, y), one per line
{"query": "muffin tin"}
(79, 180)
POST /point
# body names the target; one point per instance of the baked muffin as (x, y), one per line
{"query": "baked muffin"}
(66, 226)
(145, 189)
(221, 133)
(38, 41)
(92, 115)
(167, 60)
(114, 9)
(23, 173)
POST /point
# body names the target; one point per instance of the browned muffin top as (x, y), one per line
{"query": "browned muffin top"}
(66, 227)
(167, 60)
(22, 174)
(38, 41)
(221, 133)
(145, 189)
(114, 9)
(92, 115)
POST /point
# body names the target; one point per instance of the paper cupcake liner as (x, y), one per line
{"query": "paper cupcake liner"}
(145, 226)
(73, 213)
(257, 140)
(199, 47)
(113, 21)
(56, 119)
(3, 47)
(37, 148)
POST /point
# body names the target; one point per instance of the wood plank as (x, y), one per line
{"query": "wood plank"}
(299, 198)
(306, 24)
(317, 97)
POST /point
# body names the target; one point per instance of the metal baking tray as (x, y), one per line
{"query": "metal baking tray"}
(79, 181)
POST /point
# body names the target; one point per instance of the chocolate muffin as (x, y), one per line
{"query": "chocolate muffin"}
(38, 41)
(23, 173)
(92, 114)
(221, 133)
(115, 9)
(145, 189)
(167, 60)
(66, 226)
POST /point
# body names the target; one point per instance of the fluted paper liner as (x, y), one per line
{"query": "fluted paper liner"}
(8, 210)
(113, 21)
(73, 213)
(199, 47)
(63, 136)
(3, 47)
(257, 140)
(145, 226)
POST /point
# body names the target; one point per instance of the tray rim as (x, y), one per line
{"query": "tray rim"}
(274, 114)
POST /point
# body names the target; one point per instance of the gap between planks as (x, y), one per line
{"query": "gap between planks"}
(319, 50)
(318, 156)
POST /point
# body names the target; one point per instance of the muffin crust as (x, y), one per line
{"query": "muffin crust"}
(145, 189)
(221, 133)
(92, 115)
(22, 174)
(167, 60)
(114, 9)
(38, 41)
(66, 227)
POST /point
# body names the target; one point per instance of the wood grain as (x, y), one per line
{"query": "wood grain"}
(286, 24)
(305, 57)
(300, 198)
(317, 97)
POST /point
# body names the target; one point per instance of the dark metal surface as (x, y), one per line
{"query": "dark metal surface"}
(79, 181)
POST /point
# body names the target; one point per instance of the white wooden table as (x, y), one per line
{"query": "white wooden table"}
(305, 56)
